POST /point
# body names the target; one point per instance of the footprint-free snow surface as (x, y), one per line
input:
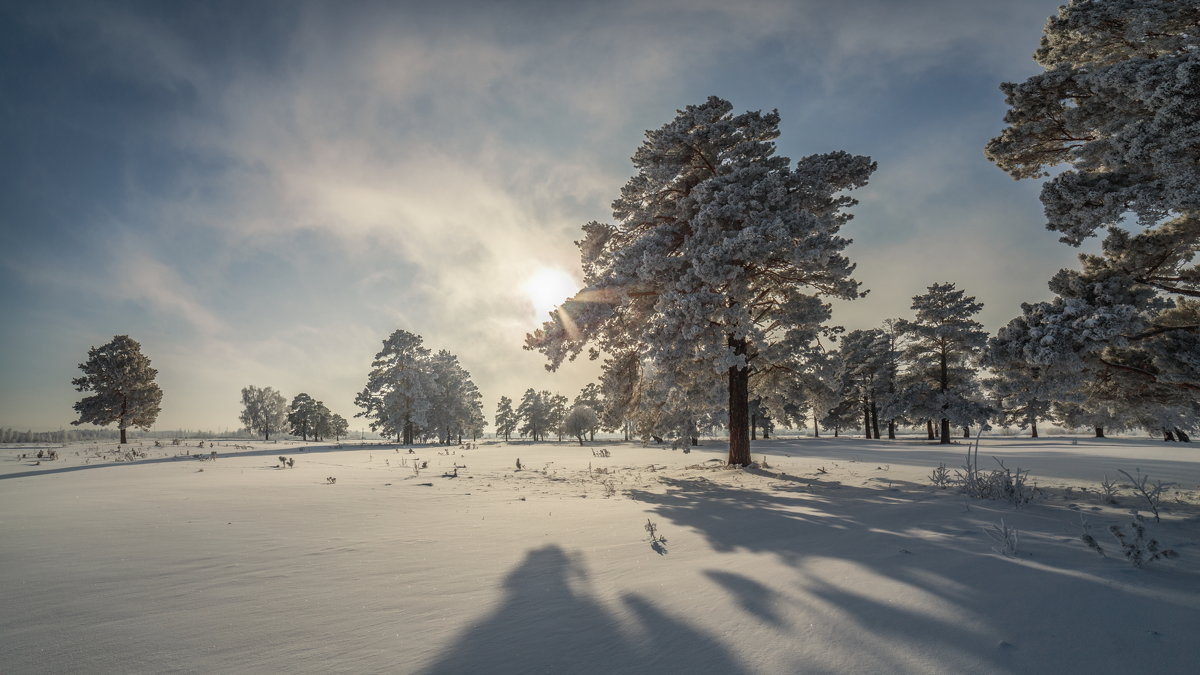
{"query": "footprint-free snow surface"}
(831, 556)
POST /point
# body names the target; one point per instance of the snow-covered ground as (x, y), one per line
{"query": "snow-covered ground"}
(837, 556)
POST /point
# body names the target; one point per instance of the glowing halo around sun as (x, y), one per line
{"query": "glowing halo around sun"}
(548, 288)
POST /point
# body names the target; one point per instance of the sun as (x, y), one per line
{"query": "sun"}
(548, 288)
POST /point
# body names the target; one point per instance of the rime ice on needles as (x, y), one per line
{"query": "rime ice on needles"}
(1118, 107)
(713, 269)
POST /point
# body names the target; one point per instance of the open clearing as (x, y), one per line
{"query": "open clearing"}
(837, 556)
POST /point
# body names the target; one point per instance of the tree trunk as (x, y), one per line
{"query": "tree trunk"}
(766, 433)
(123, 440)
(874, 418)
(1168, 436)
(929, 428)
(580, 439)
(739, 408)
(754, 427)
(866, 416)
(695, 440)
(966, 431)
(1183, 437)
(1099, 432)
(1033, 425)
(816, 430)
(892, 429)
(121, 419)
(944, 382)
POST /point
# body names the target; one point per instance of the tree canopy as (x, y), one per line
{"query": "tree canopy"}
(124, 386)
(715, 264)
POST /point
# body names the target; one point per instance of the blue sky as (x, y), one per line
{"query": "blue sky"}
(261, 192)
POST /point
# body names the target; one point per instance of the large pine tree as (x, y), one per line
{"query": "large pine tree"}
(714, 266)
(1116, 111)
(123, 382)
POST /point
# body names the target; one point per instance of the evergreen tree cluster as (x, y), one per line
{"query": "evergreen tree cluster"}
(414, 394)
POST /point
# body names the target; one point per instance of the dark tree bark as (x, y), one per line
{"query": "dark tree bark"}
(944, 382)
(929, 428)
(1033, 425)
(1099, 432)
(866, 416)
(1168, 436)
(739, 408)
(816, 431)
(892, 429)
(966, 431)
(874, 418)
(754, 427)
(1183, 437)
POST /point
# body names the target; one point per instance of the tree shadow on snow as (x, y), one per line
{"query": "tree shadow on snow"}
(852, 549)
(549, 623)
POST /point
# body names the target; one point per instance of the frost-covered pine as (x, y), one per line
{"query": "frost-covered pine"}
(414, 393)
(869, 374)
(944, 343)
(506, 418)
(534, 415)
(264, 411)
(1118, 108)
(1026, 390)
(338, 426)
(714, 266)
(123, 382)
(396, 396)
(302, 416)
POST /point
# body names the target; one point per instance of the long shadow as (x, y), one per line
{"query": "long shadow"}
(1086, 460)
(548, 623)
(221, 453)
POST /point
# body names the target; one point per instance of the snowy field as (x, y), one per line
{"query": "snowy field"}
(840, 557)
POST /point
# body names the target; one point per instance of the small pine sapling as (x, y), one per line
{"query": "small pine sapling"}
(1136, 549)
(1006, 538)
(1108, 490)
(940, 476)
(1152, 493)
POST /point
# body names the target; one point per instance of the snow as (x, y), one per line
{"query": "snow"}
(840, 557)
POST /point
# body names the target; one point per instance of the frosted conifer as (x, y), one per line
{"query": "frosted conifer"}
(123, 382)
(715, 264)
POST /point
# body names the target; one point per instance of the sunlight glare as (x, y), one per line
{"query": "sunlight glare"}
(548, 288)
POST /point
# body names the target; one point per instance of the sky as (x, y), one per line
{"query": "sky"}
(260, 193)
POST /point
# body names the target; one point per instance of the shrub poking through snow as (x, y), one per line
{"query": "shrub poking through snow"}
(1152, 493)
(1136, 548)
(1003, 483)
(940, 476)
(1087, 538)
(1005, 537)
(657, 541)
(1108, 490)
(330, 480)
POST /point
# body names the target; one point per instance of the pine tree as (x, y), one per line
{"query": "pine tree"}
(396, 396)
(506, 418)
(264, 411)
(534, 416)
(714, 268)
(301, 416)
(123, 382)
(945, 343)
(1116, 109)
